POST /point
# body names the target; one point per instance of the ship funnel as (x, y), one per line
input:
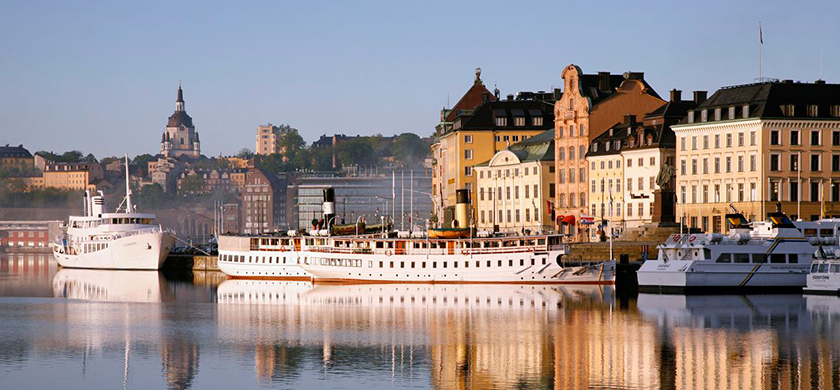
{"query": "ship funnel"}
(86, 204)
(329, 207)
(97, 205)
(462, 203)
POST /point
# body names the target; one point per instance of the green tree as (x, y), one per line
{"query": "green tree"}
(192, 184)
(151, 196)
(410, 149)
(245, 153)
(356, 151)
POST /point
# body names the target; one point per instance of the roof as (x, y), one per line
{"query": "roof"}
(471, 99)
(590, 85)
(537, 148)
(180, 95)
(14, 151)
(178, 119)
(484, 116)
(767, 100)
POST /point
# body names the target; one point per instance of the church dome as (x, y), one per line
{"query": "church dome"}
(178, 119)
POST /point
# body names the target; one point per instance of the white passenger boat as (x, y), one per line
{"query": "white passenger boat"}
(401, 257)
(118, 240)
(824, 277)
(772, 255)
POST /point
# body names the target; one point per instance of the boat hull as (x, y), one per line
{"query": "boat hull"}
(262, 265)
(681, 276)
(519, 268)
(143, 251)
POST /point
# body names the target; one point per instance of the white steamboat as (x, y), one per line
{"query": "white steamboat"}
(404, 257)
(118, 240)
(770, 255)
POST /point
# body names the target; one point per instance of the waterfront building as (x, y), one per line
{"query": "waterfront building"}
(474, 130)
(74, 176)
(605, 194)
(263, 202)
(15, 157)
(180, 137)
(15, 235)
(269, 139)
(590, 104)
(514, 189)
(754, 146)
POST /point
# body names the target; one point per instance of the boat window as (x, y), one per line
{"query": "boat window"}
(707, 253)
(521, 262)
(810, 232)
(826, 232)
(444, 264)
(742, 257)
(466, 264)
(434, 264)
(392, 264)
(777, 258)
(380, 264)
(488, 263)
(380, 244)
(541, 241)
(402, 264)
(424, 264)
(835, 268)
(793, 258)
(455, 264)
(823, 268)
(724, 258)
(759, 258)
(814, 268)
(477, 264)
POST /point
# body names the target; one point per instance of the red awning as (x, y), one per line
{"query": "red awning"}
(569, 220)
(559, 219)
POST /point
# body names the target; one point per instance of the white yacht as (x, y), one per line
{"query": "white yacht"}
(118, 240)
(774, 255)
(824, 277)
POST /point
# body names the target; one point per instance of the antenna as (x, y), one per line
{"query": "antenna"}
(821, 61)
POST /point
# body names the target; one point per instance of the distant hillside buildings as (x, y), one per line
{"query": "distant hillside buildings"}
(180, 137)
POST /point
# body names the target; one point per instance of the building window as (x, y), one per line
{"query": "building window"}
(501, 121)
(728, 164)
(571, 175)
(787, 109)
(794, 162)
(652, 183)
(794, 191)
(571, 153)
(835, 163)
(562, 176)
(813, 110)
(629, 163)
(717, 141)
(641, 162)
(835, 138)
(693, 143)
(582, 199)
(815, 162)
(729, 140)
(794, 137)
(693, 166)
(468, 154)
(815, 137)
(774, 163)
(497, 138)
(717, 164)
(629, 210)
(752, 163)
(705, 166)
(774, 137)
(537, 121)
(740, 163)
(682, 143)
(774, 191)
(516, 138)
(815, 191)
(641, 209)
(519, 121)
(641, 184)
(468, 171)
(705, 142)
(561, 155)
(740, 139)
(682, 167)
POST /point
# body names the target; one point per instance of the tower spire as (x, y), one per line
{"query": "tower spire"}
(179, 104)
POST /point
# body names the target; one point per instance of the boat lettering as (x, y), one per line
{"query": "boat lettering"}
(820, 277)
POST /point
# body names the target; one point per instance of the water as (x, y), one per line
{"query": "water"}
(81, 329)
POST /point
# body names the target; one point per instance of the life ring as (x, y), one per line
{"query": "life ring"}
(387, 252)
(692, 238)
(464, 251)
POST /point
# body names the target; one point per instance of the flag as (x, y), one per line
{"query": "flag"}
(760, 35)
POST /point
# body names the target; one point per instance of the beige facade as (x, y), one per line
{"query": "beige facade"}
(268, 139)
(606, 194)
(512, 194)
(752, 164)
(72, 176)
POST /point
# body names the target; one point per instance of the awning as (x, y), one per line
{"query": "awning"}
(587, 220)
(569, 220)
(559, 219)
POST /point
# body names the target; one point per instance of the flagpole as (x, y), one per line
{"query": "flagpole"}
(760, 44)
(611, 225)
(799, 186)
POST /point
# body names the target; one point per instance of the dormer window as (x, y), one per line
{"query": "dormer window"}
(704, 116)
(835, 110)
(691, 117)
(731, 113)
(813, 110)
(594, 147)
(717, 114)
(787, 109)
(537, 121)
(607, 146)
(745, 111)
(617, 145)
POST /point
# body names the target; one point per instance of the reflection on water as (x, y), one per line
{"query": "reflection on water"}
(136, 329)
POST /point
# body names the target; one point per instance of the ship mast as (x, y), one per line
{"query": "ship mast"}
(129, 208)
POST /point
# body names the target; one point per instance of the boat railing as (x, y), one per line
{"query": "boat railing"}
(426, 251)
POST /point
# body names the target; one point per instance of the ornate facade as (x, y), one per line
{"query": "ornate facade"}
(180, 137)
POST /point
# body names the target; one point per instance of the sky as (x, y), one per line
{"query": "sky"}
(102, 77)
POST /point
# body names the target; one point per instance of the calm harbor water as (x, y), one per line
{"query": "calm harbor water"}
(81, 329)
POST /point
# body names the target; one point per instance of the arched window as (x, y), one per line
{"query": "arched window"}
(571, 152)
(571, 200)
(182, 141)
(582, 151)
(562, 154)
(582, 199)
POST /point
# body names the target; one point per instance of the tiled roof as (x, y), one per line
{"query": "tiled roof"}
(14, 151)
(484, 116)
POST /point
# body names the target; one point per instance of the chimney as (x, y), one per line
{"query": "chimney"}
(676, 95)
(819, 81)
(629, 119)
(635, 75)
(699, 97)
(604, 81)
(510, 97)
(558, 94)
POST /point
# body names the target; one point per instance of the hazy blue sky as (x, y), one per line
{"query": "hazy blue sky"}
(101, 77)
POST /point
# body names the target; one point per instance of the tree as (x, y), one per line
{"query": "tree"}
(355, 151)
(192, 184)
(290, 144)
(245, 153)
(151, 196)
(410, 149)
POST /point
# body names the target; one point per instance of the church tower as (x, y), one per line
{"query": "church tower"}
(180, 137)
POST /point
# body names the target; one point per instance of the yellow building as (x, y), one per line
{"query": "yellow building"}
(606, 173)
(753, 146)
(477, 127)
(73, 176)
(514, 187)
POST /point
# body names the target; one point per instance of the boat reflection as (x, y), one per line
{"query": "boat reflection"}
(108, 285)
